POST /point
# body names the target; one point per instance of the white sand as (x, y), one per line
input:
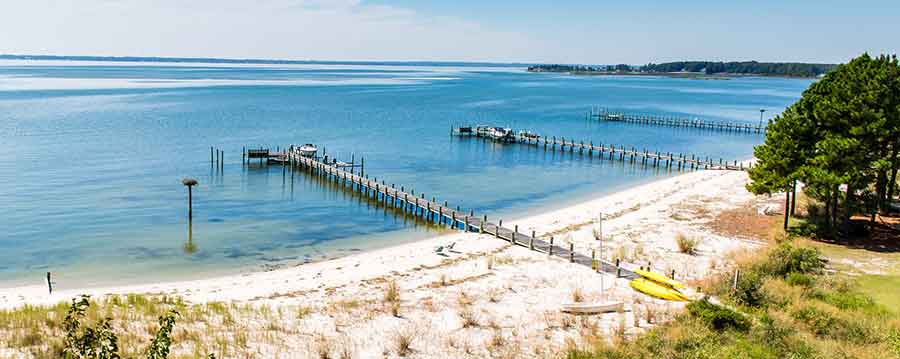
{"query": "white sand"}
(517, 298)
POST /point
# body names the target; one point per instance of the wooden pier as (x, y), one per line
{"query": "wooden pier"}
(433, 211)
(611, 152)
(606, 115)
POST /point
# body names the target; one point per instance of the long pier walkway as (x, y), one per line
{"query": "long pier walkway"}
(440, 213)
(606, 115)
(609, 151)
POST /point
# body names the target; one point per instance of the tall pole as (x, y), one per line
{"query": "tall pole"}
(761, 116)
(190, 203)
(190, 182)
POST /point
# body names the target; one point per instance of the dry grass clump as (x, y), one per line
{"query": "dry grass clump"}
(391, 298)
(402, 341)
(464, 299)
(496, 341)
(687, 245)
(323, 346)
(303, 311)
(468, 317)
(577, 295)
(392, 292)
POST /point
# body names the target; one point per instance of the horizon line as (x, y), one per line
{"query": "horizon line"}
(177, 59)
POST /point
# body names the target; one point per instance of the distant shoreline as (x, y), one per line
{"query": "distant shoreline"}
(687, 75)
(703, 70)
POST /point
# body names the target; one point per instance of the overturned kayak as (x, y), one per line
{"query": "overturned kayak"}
(592, 308)
(658, 290)
(659, 278)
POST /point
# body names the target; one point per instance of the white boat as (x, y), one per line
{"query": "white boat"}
(592, 308)
(307, 150)
(500, 133)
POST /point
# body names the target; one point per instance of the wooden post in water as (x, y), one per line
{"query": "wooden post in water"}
(512, 238)
(550, 248)
(571, 252)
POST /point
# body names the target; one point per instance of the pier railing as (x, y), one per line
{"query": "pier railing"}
(611, 152)
(655, 120)
(435, 212)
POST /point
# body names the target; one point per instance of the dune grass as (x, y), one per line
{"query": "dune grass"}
(783, 306)
(225, 330)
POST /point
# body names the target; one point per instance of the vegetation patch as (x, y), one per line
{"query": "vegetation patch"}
(717, 316)
(687, 245)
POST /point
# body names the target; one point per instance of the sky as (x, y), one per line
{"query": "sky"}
(577, 31)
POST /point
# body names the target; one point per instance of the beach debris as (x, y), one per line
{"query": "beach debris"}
(768, 210)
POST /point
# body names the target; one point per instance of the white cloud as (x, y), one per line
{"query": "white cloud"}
(296, 29)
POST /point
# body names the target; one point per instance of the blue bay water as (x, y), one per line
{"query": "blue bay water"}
(93, 155)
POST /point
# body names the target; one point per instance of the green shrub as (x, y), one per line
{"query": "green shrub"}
(771, 332)
(748, 291)
(717, 316)
(824, 324)
(818, 321)
(799, 279)
(786, 259)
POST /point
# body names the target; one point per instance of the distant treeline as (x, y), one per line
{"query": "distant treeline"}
(703, 67)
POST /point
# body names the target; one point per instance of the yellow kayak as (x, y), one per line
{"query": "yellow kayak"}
(658, 290)
(656, 277)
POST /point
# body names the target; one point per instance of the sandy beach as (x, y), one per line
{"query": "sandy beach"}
(484, 290)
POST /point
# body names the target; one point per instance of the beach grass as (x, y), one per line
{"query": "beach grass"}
(223, 329)
(783, 306)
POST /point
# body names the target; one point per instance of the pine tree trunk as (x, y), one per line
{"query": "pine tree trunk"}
(848, 207)
(892, 185)
(835, 194)
(787, 208)
(880, 190)
(793, 197)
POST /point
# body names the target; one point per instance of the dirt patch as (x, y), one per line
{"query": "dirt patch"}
(745, 222)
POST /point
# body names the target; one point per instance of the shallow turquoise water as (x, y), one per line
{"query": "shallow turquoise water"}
(93, 155)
